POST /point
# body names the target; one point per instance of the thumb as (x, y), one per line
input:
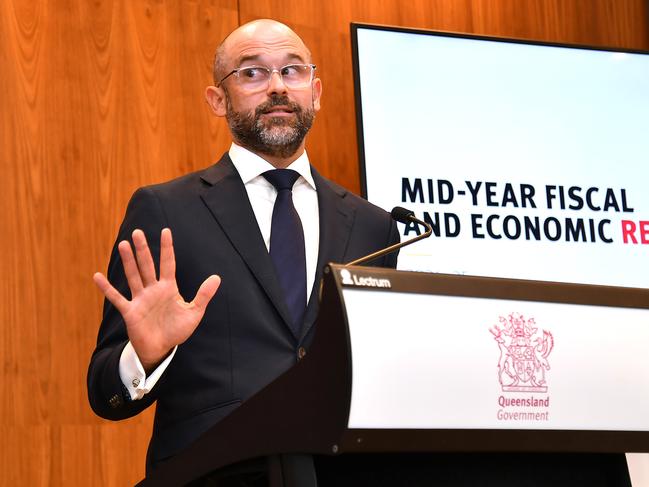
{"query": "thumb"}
(206, 292)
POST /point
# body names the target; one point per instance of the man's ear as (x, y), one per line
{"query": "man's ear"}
(316, 93)
(215, 98)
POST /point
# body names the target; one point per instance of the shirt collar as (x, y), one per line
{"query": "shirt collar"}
(251, 166)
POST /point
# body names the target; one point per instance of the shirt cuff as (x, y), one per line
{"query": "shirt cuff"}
(132, 373)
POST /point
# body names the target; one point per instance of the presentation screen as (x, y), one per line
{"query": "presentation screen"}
(530, 160)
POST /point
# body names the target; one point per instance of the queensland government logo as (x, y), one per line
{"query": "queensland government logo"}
(524, 351)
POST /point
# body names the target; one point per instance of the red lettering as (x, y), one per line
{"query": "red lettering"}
(644, 231)
(628, 231)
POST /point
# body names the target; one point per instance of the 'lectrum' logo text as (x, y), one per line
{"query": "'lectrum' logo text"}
(350, 279)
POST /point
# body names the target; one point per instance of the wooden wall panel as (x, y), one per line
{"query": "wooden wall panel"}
(100, 97)
(325, 28)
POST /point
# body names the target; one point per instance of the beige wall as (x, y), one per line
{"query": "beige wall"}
(100, 97)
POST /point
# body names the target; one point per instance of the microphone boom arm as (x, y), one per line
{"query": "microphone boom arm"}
(380, 253)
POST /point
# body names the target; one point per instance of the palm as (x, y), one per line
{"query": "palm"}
(157, 318)
(160, 316)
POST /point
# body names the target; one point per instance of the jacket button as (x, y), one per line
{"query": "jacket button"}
(301, 352)
(115, 401)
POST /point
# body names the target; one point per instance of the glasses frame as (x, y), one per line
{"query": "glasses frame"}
(271, 72)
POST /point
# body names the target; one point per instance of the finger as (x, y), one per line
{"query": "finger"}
(206, 292)
(144, 259)
(131, 271)
(167, 257)
(112, 294)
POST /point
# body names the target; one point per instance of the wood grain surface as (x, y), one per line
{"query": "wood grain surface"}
(100, 97)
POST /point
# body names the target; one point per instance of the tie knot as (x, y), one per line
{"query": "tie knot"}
(281, 178)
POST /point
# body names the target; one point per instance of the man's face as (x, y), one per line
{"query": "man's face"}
(272, 119)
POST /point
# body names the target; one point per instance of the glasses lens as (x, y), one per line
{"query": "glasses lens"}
(254, 76)
(296, 75)
(293, 76)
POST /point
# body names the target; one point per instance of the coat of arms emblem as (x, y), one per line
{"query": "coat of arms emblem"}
(524, 351)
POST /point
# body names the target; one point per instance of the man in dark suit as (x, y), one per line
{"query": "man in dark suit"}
(233, 248)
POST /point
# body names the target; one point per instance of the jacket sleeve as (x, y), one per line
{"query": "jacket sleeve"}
(106, 393)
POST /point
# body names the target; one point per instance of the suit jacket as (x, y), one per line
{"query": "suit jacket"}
(244, 340)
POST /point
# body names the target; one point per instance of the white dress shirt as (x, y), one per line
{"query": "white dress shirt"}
(262, 196)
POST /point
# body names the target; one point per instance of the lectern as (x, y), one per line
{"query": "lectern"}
(406, 362)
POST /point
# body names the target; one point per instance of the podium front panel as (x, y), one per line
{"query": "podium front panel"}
(433, 362)
(434, 352)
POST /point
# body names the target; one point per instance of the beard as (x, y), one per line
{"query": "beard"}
(272, 136)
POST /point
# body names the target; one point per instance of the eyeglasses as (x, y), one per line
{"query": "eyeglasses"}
(253, 78)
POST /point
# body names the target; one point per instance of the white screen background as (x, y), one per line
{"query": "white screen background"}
(462, 109)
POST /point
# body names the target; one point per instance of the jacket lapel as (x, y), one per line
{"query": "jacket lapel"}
(227, 200)
(336, 221)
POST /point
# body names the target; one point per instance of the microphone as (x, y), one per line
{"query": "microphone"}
(402, 215)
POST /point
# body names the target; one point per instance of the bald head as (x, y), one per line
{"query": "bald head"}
(273, 34)
(271, 115)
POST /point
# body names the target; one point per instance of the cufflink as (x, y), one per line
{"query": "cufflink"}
(135, 382)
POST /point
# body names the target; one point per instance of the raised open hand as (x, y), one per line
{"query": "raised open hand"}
(157, 317)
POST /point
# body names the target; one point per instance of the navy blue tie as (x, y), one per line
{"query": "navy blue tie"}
(287, 245)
